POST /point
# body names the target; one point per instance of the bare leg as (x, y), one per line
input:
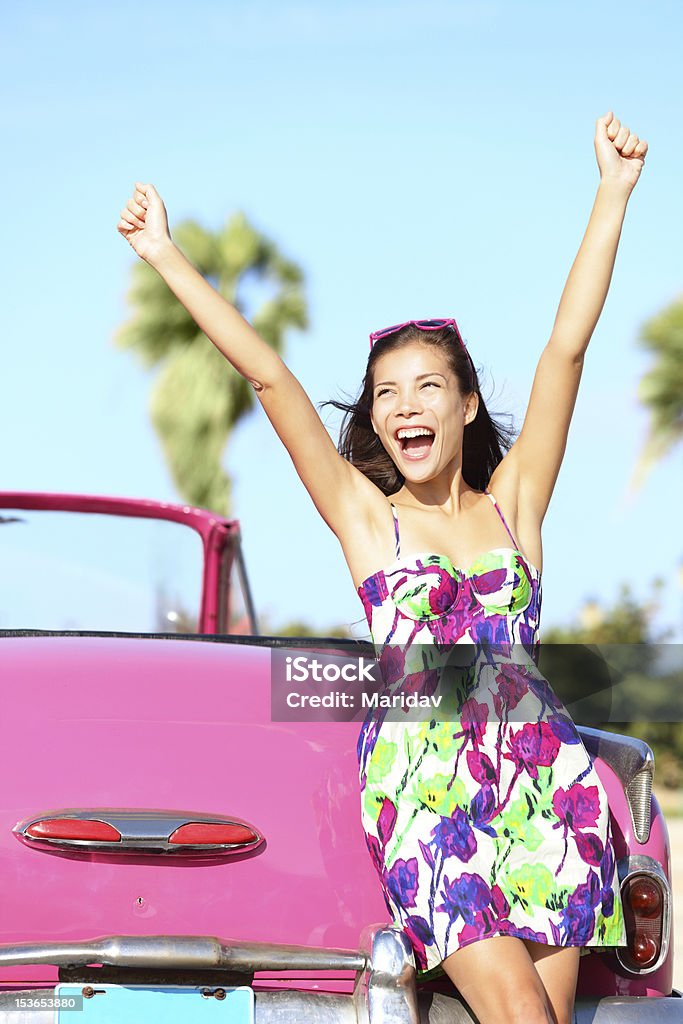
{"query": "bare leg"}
(558, 967)
(499, 980)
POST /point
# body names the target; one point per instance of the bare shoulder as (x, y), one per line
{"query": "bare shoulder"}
(365, 527)
(520, 515)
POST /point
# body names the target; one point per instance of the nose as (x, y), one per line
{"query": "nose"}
(408, 402)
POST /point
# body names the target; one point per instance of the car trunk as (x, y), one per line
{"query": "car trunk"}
(181, 724)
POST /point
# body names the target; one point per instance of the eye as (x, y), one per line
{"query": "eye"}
(382, 391)
(431, 383)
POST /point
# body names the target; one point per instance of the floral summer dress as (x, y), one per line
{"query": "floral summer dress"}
(488, 818)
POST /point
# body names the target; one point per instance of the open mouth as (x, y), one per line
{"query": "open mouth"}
(416, 442)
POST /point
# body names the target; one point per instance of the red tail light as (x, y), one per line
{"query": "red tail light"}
(74, 828)
(643, 906)
(202, 833)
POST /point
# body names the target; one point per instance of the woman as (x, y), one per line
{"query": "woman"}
(490, 831)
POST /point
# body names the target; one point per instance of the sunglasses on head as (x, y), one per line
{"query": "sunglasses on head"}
(424, 325)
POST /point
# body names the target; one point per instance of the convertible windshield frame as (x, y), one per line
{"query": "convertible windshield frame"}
(220, 539)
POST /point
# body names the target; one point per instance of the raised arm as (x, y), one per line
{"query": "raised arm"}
(335, 486)
(536, 455)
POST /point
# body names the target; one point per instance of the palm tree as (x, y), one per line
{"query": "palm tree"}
(661, 389)
(197, 397)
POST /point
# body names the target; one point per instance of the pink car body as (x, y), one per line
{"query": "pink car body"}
(146, 735)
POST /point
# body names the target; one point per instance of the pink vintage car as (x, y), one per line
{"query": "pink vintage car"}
(168, 850)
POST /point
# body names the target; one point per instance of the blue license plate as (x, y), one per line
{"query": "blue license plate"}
(168, 1004)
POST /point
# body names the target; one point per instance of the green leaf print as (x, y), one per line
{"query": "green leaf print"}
(532, 885)
(518, 819)
(437, 738)
(435, 794)
(382, 760)
(372, 802)
(609, 929)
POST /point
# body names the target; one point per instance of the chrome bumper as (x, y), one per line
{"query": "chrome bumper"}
(384, 992)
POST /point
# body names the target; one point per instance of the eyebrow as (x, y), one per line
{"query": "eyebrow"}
(434, 373)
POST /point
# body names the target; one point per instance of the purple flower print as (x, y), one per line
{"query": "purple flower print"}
(367, 737)
(454, 836)
(464, 897)
(423, 683)
(473, 718)
(372, 591)
(386, 821)
(444, 594)
(607, 899)
(426, 853)
(392, 663)
(489, 582)
(564, 728)
(402, 883)
(481, 766)
(577, 807)
(482, 808)
(590, 848)
(512, 686)
(499, 902)
(376, 852)
(420, 935)
(533, 745)
(480, 927)
(577, 919)
(483, 804)
(508, 928)
(606, 875)
(487, 921)
(542, 689)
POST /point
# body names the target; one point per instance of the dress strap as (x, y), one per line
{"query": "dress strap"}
(398, 543)
(502, 518)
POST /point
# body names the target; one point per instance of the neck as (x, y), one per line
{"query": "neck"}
(447, 492)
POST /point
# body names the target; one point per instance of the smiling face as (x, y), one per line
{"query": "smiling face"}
(418, 411)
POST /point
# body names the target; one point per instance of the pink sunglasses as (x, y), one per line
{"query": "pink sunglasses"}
(424, 325)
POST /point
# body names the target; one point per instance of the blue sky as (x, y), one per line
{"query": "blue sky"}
(415, 160)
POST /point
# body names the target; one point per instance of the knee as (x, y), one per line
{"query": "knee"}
(533, 1008)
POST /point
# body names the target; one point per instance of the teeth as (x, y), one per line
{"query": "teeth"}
(414, 432)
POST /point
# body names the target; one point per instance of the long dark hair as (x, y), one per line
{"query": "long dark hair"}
(485, 440)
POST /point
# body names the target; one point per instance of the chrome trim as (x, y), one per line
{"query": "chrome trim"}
(182, 952)
(286, 1006)
(633, 763)
(289, 1006)
(385, 992)
(639, 864)
(638, 796)
(143, 831)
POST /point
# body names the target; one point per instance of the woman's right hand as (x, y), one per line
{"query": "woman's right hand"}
(144, 223)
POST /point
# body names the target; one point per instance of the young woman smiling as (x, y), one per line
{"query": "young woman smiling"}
(490, 831)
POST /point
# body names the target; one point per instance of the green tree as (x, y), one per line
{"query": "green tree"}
(620, 644)
(661, 389)
(197, 397)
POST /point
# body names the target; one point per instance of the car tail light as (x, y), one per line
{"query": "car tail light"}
(643, 900)
(83, 830)
(209, 833)
(122, 831)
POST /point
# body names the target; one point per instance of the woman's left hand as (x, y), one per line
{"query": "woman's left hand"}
(620, 153)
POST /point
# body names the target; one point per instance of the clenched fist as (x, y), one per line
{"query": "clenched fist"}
(144, 223)
(619, 152)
